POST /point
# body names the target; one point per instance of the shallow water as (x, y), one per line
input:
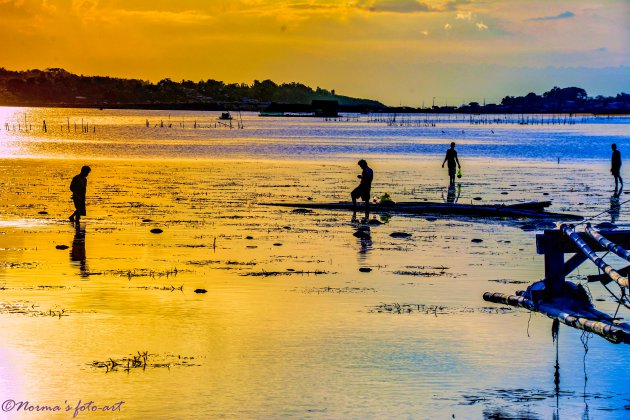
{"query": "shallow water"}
(289, 326)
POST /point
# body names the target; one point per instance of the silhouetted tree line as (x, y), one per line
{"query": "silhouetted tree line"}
(58, 87)
(565, 100)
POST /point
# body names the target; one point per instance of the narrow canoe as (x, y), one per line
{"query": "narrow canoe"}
(528, 210)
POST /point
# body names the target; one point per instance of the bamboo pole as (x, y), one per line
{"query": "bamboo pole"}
(612, 247)
(599, 262)
(610, 332)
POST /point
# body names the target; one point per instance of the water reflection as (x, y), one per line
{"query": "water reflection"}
(77, 253)
(363, 233)
(615, 207)
(451, 196)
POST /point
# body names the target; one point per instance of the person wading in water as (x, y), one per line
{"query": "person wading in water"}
(78, 186)
(615, 168)
(364, 188)
(451, 158)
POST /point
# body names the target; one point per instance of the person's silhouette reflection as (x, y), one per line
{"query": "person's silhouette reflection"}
(451, 197)
(363, 234)
(77, 253)
(617, 192)
(615, 208)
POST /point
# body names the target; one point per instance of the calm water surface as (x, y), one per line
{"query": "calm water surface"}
(289, 326)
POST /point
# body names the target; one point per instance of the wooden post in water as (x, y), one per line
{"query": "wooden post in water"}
(554, 261)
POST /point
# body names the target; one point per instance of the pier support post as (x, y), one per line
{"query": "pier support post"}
(554, 262)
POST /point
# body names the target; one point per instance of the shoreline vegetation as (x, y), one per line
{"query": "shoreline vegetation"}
(55, 87)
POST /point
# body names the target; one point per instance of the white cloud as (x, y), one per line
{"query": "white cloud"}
(394, 6)
(463, 16)
(481, 26)
(565, 15)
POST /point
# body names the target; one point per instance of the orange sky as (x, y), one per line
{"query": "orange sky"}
(396, 51)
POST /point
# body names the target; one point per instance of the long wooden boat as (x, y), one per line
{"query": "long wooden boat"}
(527, 210)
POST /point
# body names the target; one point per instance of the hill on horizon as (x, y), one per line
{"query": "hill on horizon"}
(56, 86)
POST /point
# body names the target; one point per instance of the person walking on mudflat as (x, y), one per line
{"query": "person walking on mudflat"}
(364, 188)
(615, 167)
(78, 186)
(451, 158)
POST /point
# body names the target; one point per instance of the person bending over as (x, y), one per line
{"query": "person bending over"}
(364, 188)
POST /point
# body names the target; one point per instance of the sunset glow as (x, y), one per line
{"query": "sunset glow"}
(402, 51)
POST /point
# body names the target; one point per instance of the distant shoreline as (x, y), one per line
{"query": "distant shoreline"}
(56, 87)
(247, 107)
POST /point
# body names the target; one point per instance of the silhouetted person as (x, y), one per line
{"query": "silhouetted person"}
(78, 186)
(453, 162)
(615, 166)
(364, 188)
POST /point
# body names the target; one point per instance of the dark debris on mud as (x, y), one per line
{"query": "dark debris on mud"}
(339, 290)
(144, 360)
(30, 309)
(12, 265)
(264, 273)
(420, 308)
(169, 288)
(145, 272)
(508, 281)
(424, 271)
(509, 403)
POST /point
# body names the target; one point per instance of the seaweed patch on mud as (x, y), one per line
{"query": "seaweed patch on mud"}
(328, 289)
(517, 403)
(144, 360)
(217, 262)
(30, 309)
(144, 272)
(170, 288)
(287, 272)
(420, 308)
(424, 271)
(25, 264)
(420, 273)
(508, 281)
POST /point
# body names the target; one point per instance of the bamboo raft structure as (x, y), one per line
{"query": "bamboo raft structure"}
(565, 301)
(527, 210)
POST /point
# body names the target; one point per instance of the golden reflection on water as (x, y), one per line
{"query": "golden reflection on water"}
(287, 326)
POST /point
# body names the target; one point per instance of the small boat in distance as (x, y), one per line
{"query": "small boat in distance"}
(225, 116)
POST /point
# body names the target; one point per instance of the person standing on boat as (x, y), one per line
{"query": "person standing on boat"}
(451, 158)
(615, 167)
(364, 188)
(78, 186)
